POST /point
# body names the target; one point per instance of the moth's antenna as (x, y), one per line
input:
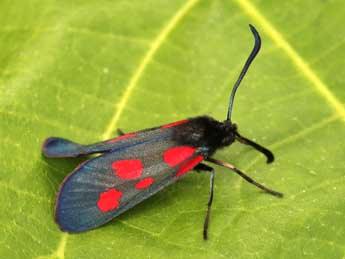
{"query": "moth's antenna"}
(250, 59)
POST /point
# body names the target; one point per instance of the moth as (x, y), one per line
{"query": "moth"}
(134, 166)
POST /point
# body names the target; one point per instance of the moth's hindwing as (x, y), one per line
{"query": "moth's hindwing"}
(60, 147)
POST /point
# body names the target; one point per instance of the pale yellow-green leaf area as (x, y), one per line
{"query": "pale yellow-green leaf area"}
(80, 70)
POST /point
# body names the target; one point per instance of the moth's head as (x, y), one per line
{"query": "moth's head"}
(227, 130)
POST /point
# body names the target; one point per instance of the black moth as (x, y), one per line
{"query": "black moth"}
(134, 166)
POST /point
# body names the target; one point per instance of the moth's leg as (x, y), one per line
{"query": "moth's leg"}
(203, 167)
(120, 132)
(269, 155)
(246, 177)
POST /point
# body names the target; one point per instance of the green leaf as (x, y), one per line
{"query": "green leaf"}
(81, 69)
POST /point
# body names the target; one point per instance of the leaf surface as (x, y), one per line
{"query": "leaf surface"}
(81, 69)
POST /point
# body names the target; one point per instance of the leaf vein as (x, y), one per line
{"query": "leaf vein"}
(154, 47)
(252, 11)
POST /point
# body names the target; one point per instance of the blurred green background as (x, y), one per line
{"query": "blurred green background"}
(80, 69)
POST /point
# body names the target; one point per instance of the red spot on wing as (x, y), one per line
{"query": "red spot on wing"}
(122, 137)
(109, 200)
(176, 155)
(189, 165)
(128, 169)
(173, 124)
(144, 183)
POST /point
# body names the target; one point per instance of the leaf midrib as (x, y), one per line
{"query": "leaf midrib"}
(59, 252)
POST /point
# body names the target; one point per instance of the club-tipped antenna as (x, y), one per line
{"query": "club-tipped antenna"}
(250, 59)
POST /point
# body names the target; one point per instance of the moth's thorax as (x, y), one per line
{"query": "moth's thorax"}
(205, 131)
